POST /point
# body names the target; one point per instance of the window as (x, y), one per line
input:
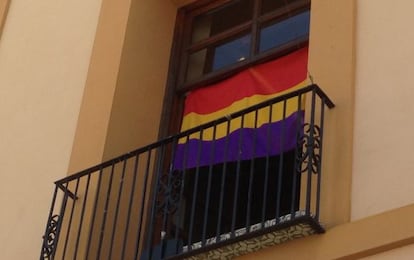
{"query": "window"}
(219, 39)
(215, 40)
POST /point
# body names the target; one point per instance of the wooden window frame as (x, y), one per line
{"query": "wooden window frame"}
(177, 87)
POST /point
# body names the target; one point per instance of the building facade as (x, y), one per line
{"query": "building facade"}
(84, 81)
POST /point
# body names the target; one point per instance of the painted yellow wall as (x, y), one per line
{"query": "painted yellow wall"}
(138, 100)
(402, 253)
(383, 162)
(4, 7)
(55, 68)
(354, 240)
(125, 87)
(100, 86)
(331, 64)
(44, 56)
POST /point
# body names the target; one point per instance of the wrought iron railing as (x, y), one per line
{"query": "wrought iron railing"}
(196, 192)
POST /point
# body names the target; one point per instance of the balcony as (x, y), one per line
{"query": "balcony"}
(196, 195)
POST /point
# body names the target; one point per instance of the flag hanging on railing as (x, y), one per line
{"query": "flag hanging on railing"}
(247, 138)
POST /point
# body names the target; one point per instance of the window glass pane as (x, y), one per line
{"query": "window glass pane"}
(196, 65)
(285, 31)
(221, 19)
(218, 56)
(231, 52)
(271, 5)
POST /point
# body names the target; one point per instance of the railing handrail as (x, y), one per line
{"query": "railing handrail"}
(313, 87)
(155, 197)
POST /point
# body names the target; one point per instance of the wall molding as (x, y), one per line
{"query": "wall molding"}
(354, 240)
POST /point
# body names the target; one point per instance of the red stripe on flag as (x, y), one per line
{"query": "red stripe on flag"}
(268, 78)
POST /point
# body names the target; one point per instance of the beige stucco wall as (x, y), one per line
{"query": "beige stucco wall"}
(44, 56)
(123, 96)
(354, 240)
(331, 64)
(100, 85)
(384, 126)
(4, 7)
(138, 99)
(45, 51)
(402, 253)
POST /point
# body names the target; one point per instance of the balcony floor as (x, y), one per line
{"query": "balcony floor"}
(299, 227)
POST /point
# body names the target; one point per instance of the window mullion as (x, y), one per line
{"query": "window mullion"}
(255, 28)
(186, 24)
(219, 37)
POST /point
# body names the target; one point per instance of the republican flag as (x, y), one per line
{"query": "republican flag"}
(270, 131)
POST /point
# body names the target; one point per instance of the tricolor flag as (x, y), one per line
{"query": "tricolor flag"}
(267, 133)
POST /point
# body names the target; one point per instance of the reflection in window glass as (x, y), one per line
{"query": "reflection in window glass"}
(220, 20)
(196, 65)
(218, 57)
(281, 27)
(231, 52)
(285, 31)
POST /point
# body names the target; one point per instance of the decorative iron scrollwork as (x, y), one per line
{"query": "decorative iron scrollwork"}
(309, 145)
(49, 239)
(168, 192)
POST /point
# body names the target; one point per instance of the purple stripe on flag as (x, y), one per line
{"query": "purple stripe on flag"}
(243, 144)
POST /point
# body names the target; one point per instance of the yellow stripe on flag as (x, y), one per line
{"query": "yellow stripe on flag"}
(192, 119)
